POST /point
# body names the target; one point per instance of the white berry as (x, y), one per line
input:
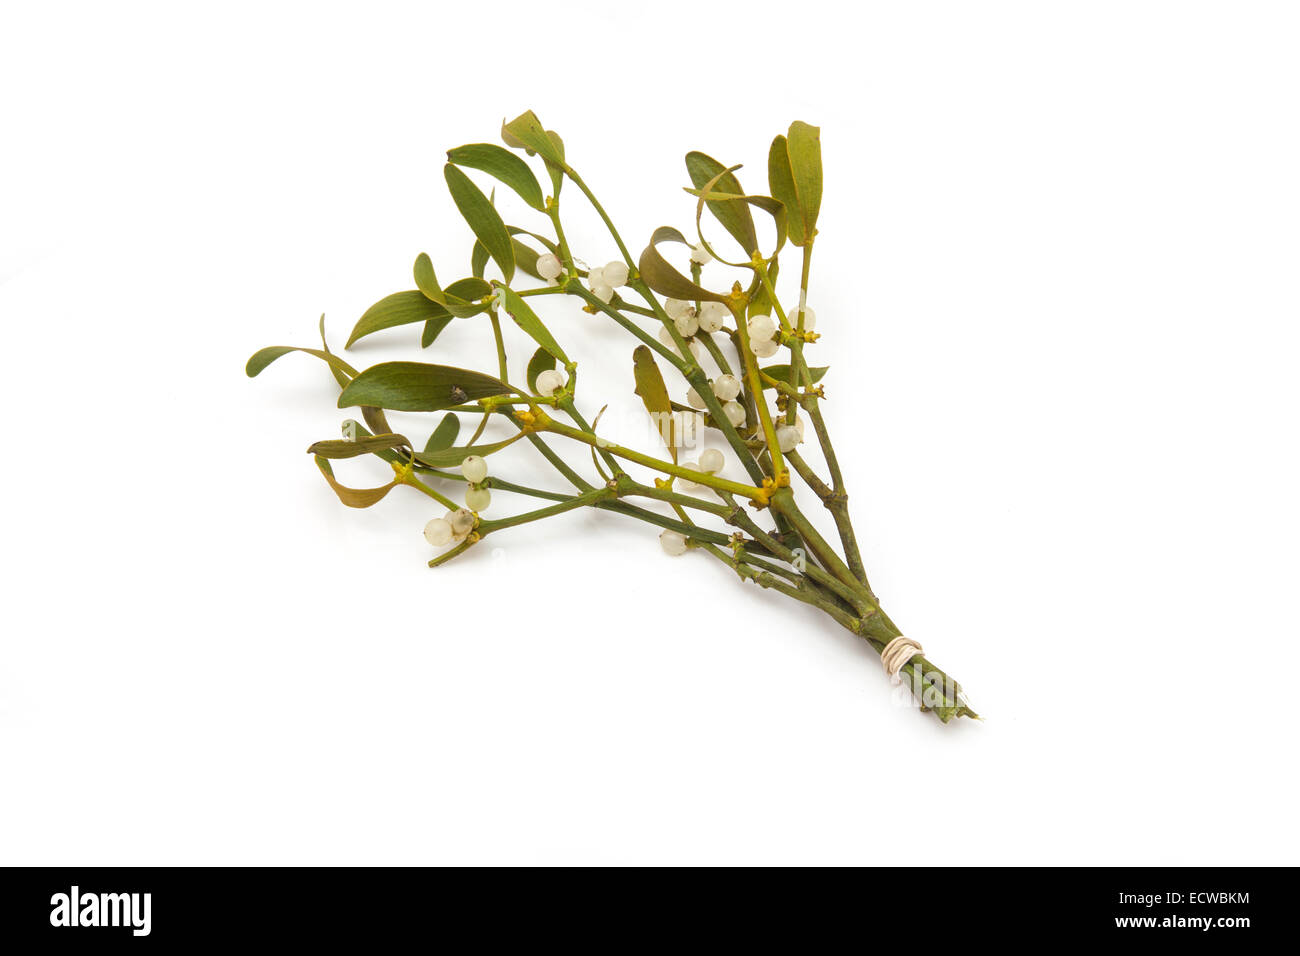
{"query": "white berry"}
(685, 484)
(673, 542)
(761, 328)
(693, 399)
(596, 276)
(735, 413)
(765, 348)
(549, 381)
(712, 315)
(809, 318)
(700, 255)
(438, 532)
(711, 460)
(477, 499)
(726, 387)
(787, 436)
(461, 521)
(687, 324)
(549, 265)
(602, 292)
(666, 338)
(676, 308)
(474, 469)
(615, 274)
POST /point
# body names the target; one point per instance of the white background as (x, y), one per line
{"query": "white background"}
(1056, 278)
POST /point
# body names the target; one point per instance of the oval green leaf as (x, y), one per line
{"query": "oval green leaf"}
(483, 219)
(502, 165)
(654, 395)
(418, 387)
(337, 448)
(400, 308)
(444, 436)
(456, 298)
(804, 144)
(447, 457)
(527, 319)
(264, 357)
(780, 181)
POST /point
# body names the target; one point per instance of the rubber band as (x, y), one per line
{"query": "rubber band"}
(897, 653)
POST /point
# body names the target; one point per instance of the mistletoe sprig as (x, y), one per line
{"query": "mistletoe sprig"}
(755, 526)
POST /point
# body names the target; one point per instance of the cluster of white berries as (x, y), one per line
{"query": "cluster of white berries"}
(477, 497)
(550, 381)
(455, 525)
(441, 532)
(688, 321)
(603, 280)
(692, 346)
(711, 462)
(727, 390)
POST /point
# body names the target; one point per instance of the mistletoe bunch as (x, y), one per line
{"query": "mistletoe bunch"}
(713, 339)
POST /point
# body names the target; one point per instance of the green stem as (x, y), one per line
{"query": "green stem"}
(666, 467)
(756, 387)
(578, 501)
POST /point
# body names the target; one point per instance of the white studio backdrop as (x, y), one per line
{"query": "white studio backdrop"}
(1056, 281)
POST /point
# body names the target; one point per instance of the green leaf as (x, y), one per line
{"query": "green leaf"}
(264, 357)
(794, 176)
(666, 280)
(804, 145)
(525, 255)
(503, 165)
(361, 446)
(527, 320)
(769, 205)
(376, 419)
(782, 373)
(432, 329)
(780, 181)
(478, 259)
(526, 258)
(760, 303)
(654, 395)
(444, 436)
(353, 497)
(400, 308)
(418, 387)
(359, 431)
(339, 377)
(482, 218)
(446, 457)
(525, 131)
(733, 214)
(539, 363)
(456, 297)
